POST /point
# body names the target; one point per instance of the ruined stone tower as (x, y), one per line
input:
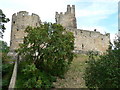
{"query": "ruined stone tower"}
(19, 23)
(68, 18)
(85, 40)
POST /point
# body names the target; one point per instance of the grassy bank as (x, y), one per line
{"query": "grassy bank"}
(73, 78)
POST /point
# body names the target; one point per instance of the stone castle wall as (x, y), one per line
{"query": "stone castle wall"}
(90, 40)
(85, 40)
(19, 22)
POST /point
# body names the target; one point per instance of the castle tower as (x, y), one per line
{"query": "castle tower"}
(19, 23)
(68, 19)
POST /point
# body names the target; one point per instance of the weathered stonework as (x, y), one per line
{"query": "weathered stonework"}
(90, 41)
(85, 40)
(19, 23)
(68, 18)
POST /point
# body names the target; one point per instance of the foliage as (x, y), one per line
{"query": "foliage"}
(47, 51)
(3, 47)
(117, 43)
(104, 72)
(49, 47)
(31, 77)
(6, 74)
(6, 66)
(7, 69)
(3, 20)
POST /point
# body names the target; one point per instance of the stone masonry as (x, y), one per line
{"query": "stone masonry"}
(20, 21)
(68, 18)
(85, 40)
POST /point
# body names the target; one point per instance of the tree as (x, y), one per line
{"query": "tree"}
(117, 43)
(5, 67)
(3, 20)
(104, 71)
(3, 47)
(49, 47)
(46, 54)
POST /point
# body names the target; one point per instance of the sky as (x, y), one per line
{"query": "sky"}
(119, 18)
(90, 14)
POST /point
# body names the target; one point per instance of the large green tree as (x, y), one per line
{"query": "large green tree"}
(50, 47)
(46, 53)
(3, 20)
(104, 71)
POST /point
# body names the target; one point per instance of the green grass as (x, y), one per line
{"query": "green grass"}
(74, 76)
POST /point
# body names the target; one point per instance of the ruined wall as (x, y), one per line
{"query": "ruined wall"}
(85, 40)
(19, 22)
(68, 18)
(90, 40)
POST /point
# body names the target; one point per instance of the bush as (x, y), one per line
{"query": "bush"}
(103, 71)
(31, 77)
(6, 74)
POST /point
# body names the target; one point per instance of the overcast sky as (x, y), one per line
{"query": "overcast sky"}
(90, 14)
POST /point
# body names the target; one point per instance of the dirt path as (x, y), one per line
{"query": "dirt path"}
(73, 78)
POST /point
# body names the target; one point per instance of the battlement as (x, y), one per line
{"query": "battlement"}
(67, 19)
(24, 13)
(70, 10)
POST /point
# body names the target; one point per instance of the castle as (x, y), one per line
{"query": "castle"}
(85, 40)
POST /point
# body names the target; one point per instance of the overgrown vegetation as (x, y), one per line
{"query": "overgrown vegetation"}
(47, 51)
(31, 77)
(104, 72)
(6, 66)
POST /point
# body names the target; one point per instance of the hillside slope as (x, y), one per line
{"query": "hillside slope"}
(73, 78)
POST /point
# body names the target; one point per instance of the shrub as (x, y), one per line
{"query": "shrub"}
(6, 74)
(103, 72)
(31, 77)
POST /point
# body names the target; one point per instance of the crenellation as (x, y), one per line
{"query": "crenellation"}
(67, 19)
(73, 9)
(23, 13)
(68, 9)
